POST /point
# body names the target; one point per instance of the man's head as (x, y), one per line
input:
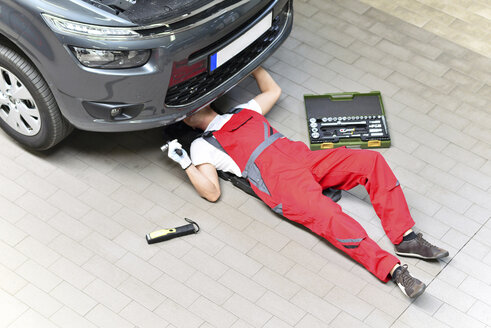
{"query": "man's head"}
(201, 119)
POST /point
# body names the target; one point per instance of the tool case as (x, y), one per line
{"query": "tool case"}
(351, 119)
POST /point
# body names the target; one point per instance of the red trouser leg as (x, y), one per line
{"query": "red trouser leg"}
(297, 178)
(307, 206)
(345, 168)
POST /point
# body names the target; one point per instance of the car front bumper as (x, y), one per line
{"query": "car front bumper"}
(86, 96)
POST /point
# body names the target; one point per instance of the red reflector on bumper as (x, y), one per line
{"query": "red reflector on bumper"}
(181, 71)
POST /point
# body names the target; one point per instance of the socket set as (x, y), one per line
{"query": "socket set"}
(355, 120)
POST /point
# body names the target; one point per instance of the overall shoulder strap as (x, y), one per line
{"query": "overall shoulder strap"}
(208, 136)
(235, 110)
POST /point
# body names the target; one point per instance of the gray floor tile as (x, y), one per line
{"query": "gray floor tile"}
(73, 221)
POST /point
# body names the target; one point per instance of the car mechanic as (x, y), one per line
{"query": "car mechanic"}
(289, 178)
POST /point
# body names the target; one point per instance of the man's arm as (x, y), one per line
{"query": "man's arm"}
(270, 90)
(204, 178)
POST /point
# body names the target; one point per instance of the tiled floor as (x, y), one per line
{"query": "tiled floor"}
(465, 22)
(73, 220)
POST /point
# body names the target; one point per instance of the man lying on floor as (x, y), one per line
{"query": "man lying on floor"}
(290, 178)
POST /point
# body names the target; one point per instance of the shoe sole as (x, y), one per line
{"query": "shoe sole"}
(422, 257)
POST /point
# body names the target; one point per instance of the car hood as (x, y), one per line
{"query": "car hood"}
(147, 12)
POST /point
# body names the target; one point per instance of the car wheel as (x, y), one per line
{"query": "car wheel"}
(28, 110)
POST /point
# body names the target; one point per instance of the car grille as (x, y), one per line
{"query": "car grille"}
(198, 86)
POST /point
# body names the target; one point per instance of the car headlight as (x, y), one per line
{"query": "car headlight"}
(96, 58)
(66, 26)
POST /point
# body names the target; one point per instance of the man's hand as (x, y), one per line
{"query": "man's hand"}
(179, 155)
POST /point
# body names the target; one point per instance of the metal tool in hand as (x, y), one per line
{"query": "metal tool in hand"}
(166, 146)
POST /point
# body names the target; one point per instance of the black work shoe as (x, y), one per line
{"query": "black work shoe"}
(420, 248)
(409, 285)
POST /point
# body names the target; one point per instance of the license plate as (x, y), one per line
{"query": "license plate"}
(222, 56)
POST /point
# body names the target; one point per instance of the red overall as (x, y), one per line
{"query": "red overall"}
(290, 178)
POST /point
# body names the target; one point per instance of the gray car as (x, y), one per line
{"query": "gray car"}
(125, 65)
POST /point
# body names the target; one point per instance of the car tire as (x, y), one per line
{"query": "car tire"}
(28, 110)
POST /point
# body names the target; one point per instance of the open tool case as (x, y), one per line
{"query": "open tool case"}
(351, 119)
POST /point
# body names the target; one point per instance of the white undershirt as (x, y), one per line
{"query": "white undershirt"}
(203, 152)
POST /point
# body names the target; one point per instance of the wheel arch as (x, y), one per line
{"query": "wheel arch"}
(63, 127)
(4, 40)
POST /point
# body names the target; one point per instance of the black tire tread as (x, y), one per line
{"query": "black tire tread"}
(60, 126)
